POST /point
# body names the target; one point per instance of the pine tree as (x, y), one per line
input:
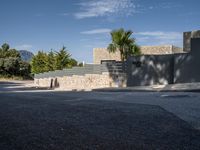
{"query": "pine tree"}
(39, 63)
(62, 59)
(51, 61)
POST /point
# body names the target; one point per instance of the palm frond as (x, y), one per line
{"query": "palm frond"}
(112, 48)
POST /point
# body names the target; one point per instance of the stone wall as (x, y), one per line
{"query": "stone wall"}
(100, 54)
(156, 50)
(177, 50)
(86, 82)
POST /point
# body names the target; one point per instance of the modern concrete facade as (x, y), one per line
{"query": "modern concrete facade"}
(187, 36)
(100, 54)
(150, 70)
(166, 69)
(187, 66)
(169, 67)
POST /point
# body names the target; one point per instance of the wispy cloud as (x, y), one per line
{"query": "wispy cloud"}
(96, 8)
(24, 47)
(159, 6)
(97, 31)
(160, 37)
(169, 5)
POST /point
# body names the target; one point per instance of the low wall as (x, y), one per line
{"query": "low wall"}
(86, 82)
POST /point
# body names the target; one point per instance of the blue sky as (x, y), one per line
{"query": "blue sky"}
(82, 25)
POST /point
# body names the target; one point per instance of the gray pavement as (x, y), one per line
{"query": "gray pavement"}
(43, 119)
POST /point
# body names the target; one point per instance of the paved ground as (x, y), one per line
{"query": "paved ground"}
(184, 87)
(46, 120)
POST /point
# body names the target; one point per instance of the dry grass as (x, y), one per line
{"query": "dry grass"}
(4, 78)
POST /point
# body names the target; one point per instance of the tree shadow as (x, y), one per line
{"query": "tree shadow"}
(165, 69)
(150, 70)
(10, 86)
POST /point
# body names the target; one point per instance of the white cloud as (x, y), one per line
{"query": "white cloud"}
(96, 8)
(24, 47)
(97, 31)
(160, 37)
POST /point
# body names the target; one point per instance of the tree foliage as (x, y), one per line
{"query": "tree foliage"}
(11, 63)
(39, 63)
(54, 60)
(51, 61)
(123, 42)
(6, 52)
(62, 59)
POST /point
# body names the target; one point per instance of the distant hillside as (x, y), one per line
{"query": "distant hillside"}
(26, 55)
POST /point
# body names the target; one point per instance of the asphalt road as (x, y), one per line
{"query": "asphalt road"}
(44, 120)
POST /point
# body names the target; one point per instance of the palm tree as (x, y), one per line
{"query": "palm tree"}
(122, 41)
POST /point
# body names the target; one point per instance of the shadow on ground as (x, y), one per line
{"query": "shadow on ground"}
(14, 86)
(43, 121)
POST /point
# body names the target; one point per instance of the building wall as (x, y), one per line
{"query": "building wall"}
(100, 54)
(177, 50)
(165, 69)
(187, 66)
(103, 54)
(187, 36)
(150, 70)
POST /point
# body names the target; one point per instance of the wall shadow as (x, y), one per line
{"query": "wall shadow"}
(165, 69)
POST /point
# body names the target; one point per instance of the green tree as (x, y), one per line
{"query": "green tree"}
(13, 53)
(51, 61)
(72, 62)
(122, 41)
(6, 52)
(39, 63)
(62, 59)
(133, 50)
(11, 63)
(24, 68)
(2, 66)
(11, 66)
(80, 64)
(44, 62)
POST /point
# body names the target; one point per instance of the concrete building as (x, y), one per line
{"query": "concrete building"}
(100, 54)
(167, 69)
(158, 65)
